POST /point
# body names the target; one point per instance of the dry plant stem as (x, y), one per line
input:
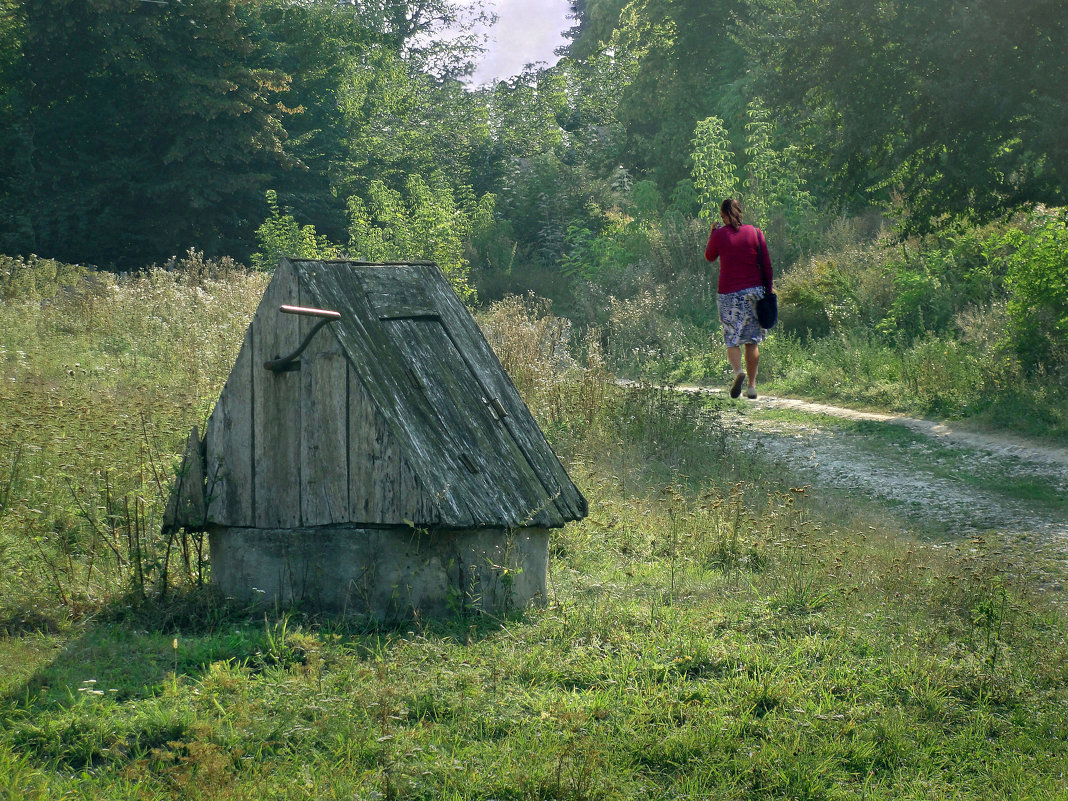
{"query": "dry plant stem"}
(56, 581)
(12, 475)
(88, 517)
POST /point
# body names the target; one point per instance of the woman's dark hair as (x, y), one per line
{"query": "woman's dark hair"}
(732, 210)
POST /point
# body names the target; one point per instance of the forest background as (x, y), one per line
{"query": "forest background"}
(907, 162)
(715, 628)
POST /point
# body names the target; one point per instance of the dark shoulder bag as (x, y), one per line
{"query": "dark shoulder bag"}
(767, 308)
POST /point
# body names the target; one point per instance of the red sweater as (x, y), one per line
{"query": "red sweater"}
(743, 257)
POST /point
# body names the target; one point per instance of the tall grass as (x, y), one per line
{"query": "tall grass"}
(711, 630)
(966, 325)
(102, 377)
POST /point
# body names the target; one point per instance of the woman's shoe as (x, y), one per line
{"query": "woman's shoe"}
(736, 387)
(750, 392)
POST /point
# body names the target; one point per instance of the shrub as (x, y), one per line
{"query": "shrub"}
(33, 278)
(812, 297)
(281, 235)
(427, 221)
(538, 351)
(837, 290)
(1038, 288)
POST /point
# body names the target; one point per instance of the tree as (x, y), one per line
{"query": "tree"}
(687, 67)
(597, 19)
(426, 221)
(713, 173)
(959, 109)
(542, 182)
(281, 235)
(399, 121)
(767, 182)
(374, 94)
(150, 131)
(319, 44)
(438, 37)
(16, 229)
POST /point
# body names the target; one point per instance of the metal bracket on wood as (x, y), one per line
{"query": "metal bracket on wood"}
(496, 408)
(289, 363)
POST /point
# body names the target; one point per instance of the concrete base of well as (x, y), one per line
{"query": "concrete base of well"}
(382, 573)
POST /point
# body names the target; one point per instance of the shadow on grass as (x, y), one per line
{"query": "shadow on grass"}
(133, 647)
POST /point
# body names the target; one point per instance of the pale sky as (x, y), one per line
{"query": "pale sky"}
(526, 31)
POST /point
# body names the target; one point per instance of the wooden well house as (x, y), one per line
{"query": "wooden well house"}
(369, 454)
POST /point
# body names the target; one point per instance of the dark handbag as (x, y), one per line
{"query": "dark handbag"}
(767, 309)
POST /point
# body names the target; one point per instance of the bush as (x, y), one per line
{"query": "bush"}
(1038, 288)
(281, 235)
(34, 278)
(810, 296)
(538, 351)
(943, 376)
(428, 220)
(837, 291)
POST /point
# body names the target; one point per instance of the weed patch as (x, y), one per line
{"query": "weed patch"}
(710, 631)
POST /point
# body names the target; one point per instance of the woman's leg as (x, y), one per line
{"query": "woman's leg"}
(752, 359)
(734, 356)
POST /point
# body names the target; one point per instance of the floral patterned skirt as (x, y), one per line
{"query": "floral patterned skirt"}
(737, 312)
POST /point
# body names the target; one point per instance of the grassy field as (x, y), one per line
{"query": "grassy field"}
(710, 631)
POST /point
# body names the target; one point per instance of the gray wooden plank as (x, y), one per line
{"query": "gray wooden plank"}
(363, 452)
(380, 370)
(371, 292)
(418, 508)
(492, 376)
(504, 486)
(383, 489)
(398, 290)
(185, 506)
(324, 486)
(387, 502)
(276, 407)
(429, 444)
(228, 469)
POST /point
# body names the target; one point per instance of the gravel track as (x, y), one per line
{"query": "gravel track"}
(963, 482)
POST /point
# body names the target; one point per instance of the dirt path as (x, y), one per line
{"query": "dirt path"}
(962, 482)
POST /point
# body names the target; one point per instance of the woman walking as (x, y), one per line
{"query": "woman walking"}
(744, 273)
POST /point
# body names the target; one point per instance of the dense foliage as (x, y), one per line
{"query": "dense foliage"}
(132, 131)
(147, 127)
(135, 130)
(959, 108)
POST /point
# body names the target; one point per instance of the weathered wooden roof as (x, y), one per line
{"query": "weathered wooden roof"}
(476, 452)
(397, 413)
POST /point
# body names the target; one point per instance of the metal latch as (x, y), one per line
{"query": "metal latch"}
(289, 363)
(496, 408)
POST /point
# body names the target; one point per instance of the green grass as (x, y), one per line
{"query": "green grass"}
(736, 680)
(710, 630)
(100, 382)
(937, 378)
(963, 464)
